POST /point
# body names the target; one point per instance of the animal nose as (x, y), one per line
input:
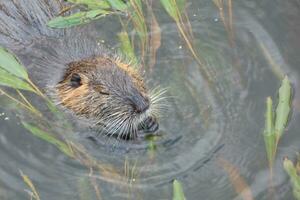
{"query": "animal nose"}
(140, 104)
(149, 125)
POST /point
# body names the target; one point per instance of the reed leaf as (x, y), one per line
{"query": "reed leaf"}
(92, 4)
(294, 177)
(126, 46)
(155, 38)
(283, 107)
(118, 5)
(177, 191)
(11, 64)
(78, 18)
(139, 23)
(29, 183)
(180, 5)
(274, 130)
(269, 136)
(174, 8)
(62, 146)
(9, 80)
(170, 7)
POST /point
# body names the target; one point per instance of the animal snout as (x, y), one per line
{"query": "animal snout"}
(149, 125)
(140, 104)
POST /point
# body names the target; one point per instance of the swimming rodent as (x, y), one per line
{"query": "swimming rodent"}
(76, 72)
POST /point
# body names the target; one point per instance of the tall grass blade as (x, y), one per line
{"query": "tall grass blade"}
(126, 46)
(92, 4)
(269, 136)
(78, 18)
(9, 80)
(139, 24)
(283, 107)
(177, 191)
(118, 5)
(294, 177)
(275, 66)
(11, 64)
(170, 8)
(274, 130)
(29, 183)
(62, 146)
(155, 39)
(181, 5)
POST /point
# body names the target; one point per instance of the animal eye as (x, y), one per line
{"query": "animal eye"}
(104, 93)
(75, 80)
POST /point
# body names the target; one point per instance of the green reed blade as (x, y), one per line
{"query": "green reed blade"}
(155, 39)
(139, 23)
(126, 46)
(77, 18)
(180, 5)
(62, 146)
(174, 8)
(9, 80)
(294, 177)
(170, 8)
(11, 64)
(269, 136)
(118, 4)
(29, 183)
(177, 191)
(92, 4)
(283, 107)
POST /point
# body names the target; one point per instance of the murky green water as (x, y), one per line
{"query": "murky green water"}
(205, 126)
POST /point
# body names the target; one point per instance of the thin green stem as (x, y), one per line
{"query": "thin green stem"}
(17, 101)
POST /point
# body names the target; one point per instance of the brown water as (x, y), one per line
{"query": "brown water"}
(206, 125)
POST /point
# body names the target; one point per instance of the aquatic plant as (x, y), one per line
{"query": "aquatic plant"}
(62, 146)
(293, 172)
(175, 8)
(78, 18)
(275, 125)
(14, 75)
(33, 193)
(126, 46)
(177, 191)
(95, 10)
(227, 20)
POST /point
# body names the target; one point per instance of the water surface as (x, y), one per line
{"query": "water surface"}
(205, 126)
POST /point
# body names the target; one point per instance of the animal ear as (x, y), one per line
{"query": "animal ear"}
(75, 80)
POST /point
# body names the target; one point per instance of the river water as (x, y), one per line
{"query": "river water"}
(211, 133)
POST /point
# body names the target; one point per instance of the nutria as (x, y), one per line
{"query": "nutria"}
(76, 72)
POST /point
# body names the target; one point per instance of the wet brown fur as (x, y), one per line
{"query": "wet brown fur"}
(74, 98)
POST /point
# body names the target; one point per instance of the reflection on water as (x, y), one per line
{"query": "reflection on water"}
(205, 122)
